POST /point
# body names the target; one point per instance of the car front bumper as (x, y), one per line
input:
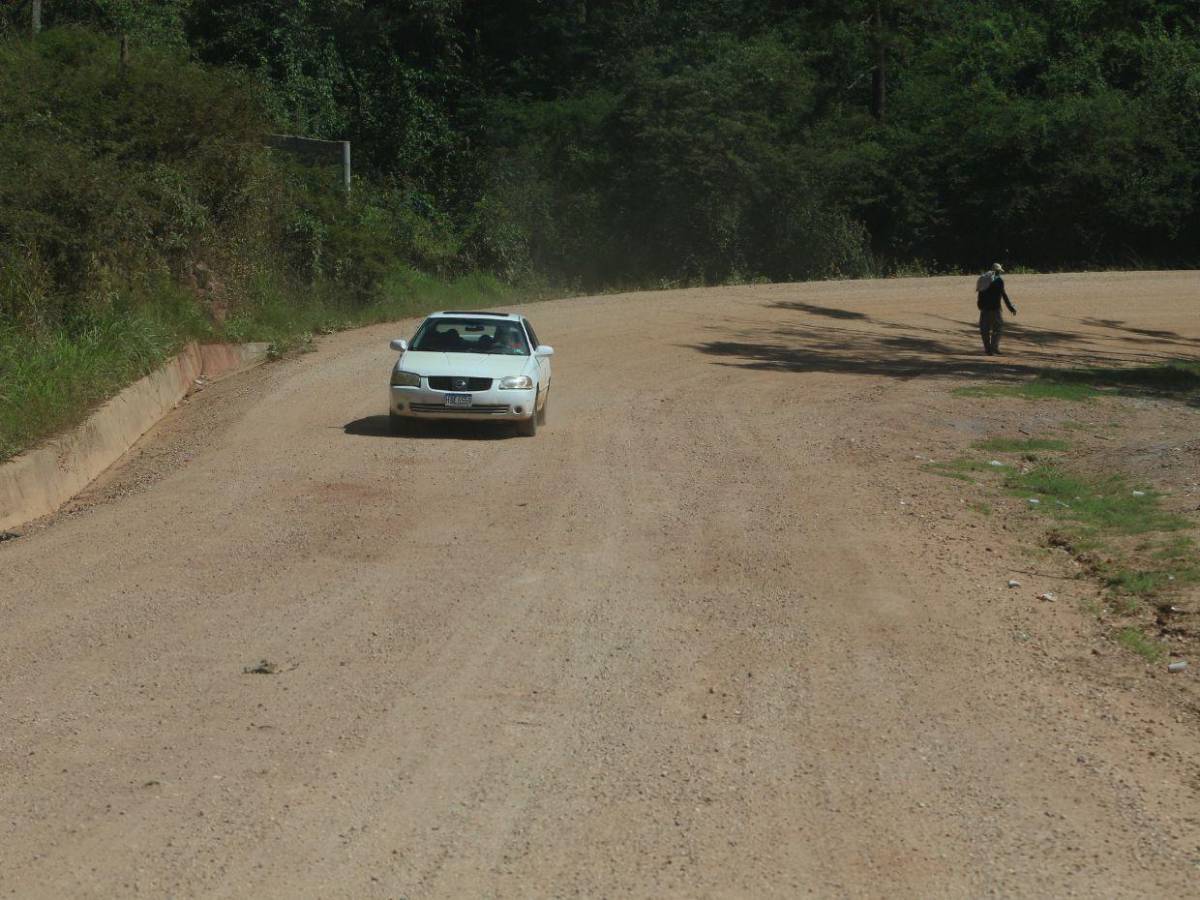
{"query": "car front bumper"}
(425, 403)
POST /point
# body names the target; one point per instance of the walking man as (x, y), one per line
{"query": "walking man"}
(991, 320)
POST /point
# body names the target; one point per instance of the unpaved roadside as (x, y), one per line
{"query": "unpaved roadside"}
(711, 633)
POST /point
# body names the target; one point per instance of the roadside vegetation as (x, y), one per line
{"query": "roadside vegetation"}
(1021, 445)
(1121, 533)
(140, 210)
(1175, 380)
(1042, 388)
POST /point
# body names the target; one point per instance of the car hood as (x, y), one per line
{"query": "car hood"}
(478, 365)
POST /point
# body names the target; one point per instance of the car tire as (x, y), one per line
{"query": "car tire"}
(541, 413)
(528, 427)
(398, 424)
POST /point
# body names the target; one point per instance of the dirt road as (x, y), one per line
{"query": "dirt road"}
(710, 633)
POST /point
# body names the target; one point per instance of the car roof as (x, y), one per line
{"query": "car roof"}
(474, 314)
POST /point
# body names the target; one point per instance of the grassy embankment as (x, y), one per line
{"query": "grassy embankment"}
(53, 378)
(139, 210)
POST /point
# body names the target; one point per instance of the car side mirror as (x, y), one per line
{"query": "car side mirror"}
(399, 345)
(543, 350)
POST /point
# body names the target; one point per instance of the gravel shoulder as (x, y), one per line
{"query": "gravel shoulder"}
(713, 632)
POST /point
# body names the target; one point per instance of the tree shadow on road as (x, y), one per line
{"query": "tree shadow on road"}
(1144, 335)
(380, 426)
(942, 346)
(831, 312)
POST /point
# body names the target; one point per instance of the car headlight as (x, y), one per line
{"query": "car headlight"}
(516, 383)
(405, 379)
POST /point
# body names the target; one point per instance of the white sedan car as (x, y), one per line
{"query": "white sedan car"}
(472, 365)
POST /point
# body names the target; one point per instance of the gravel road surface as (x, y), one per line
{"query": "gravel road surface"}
(691, 640)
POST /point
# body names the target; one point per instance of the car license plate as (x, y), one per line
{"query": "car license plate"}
(458, 400)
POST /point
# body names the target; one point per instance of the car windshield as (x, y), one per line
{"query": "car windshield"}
(472, 336)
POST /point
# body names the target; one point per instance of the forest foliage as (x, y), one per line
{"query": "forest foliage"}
(599, 143)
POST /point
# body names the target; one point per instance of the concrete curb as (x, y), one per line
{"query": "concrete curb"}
(40, 481)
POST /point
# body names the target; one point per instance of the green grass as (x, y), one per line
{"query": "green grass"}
(1100, 504)
(1170, 567)
(1100, 514)
(1178, 547)
(1136, 582)
(50, 381)
(960, 469)
(1137, 548)
(1016, 445)
(963, 468)
(1133, 639)
(1032, 390)
(1177, 379)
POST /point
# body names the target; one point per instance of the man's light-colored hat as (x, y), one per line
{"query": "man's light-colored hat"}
(996, 267)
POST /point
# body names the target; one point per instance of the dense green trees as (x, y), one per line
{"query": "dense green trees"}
(110, 175)
(808, 139)
(604, 142)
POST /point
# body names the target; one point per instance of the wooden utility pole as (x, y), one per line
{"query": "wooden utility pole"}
(124, 52)
(35, 17)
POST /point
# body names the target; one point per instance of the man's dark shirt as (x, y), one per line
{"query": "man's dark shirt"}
(990, 297)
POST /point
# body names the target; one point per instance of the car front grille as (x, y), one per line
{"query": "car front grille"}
(458, 383)
(487, 409)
